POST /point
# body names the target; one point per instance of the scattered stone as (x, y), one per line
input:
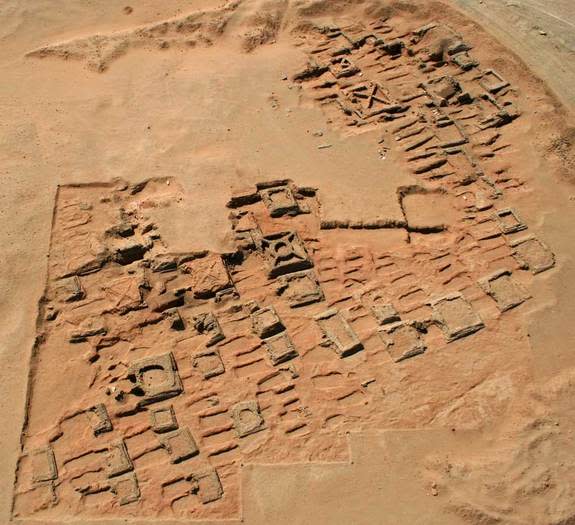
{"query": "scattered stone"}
(176, 320)
(130, 250)
(163, 263)
(90, 327)
(160, 302)
(122, 229)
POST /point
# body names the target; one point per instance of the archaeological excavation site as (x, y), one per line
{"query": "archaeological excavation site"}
(288, 262)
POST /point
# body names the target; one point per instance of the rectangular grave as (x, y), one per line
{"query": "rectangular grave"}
(508, 221)
(207, 485)
(118, 461)
(208, 275)
(156, 377)
(402, 340)
(504, 290)
(247, 418)
(493, 81)
(266, 322)
(285, 253)
(280, 201)
(300, 289)
(532, 254)
(339, 333)
(126, 489)
(44, 465)
(209, 363)
(163, 419)
(179, 444)
(99, 419)
(385, 313)
(280, 348)
(69, 289)
(456, 316)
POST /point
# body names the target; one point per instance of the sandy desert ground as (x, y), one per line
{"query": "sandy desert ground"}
(287, 261)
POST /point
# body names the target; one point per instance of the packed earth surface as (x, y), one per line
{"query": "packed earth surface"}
(288, 261)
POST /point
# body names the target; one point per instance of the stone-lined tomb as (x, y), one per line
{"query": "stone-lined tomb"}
(156, 374)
